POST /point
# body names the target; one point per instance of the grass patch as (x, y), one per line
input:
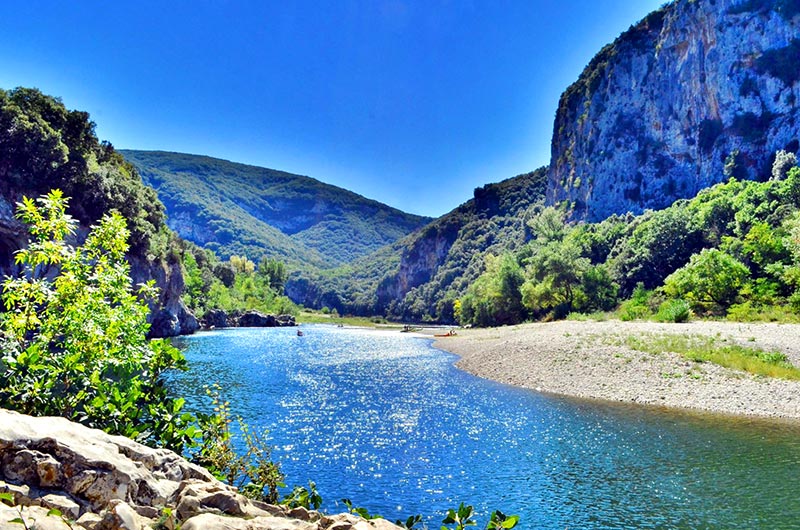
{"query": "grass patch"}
(747, 312)
(597, 316)
(718, 351)
(308, 317)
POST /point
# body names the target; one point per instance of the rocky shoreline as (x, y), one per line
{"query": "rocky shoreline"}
(101, 482)
(589, 359)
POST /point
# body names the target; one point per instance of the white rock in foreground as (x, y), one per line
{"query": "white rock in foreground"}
(103, 482)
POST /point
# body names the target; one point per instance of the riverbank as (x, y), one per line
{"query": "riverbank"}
(591, 360)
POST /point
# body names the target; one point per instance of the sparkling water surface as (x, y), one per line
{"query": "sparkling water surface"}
(388, 421)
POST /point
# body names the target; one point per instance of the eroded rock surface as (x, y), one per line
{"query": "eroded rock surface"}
(697, 91)
(103, 482)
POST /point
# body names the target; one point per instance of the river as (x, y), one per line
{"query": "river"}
(386, 420)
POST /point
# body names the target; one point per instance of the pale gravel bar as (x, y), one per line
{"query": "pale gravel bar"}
(588, 360)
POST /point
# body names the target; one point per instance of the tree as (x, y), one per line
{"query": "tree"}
(495, 299)
(275, 271)
(711, 280)
(554, 272)
(73, 334)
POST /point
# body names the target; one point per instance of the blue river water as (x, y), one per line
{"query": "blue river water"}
(388, 421)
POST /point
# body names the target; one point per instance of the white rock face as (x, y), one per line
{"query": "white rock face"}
(656, 114)
(103, 482)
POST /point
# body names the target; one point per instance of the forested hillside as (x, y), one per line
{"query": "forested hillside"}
(43, 146)
(733, 250)
(419, 277)
(236, 209)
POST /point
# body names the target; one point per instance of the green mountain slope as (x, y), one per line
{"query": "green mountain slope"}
(246, 210)
(419, 276)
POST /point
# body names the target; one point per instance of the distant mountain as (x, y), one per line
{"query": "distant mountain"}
(698, 91)
(420, 276)
(240, 209)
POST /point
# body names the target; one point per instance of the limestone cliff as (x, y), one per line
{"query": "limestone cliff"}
(697, 91)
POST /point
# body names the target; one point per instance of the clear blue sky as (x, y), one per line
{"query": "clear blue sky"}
(412, 103)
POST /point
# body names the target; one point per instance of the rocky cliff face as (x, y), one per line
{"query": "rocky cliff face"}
(102, 482)
(169, 316)
(697, 91)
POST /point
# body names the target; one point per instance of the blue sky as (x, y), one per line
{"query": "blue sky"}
(412, 103)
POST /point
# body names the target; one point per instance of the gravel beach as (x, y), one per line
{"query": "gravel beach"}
(590, 360)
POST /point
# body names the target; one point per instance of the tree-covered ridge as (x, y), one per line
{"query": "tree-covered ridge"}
(420, 276)
(733, 250)
(43, 146)
(236, 209)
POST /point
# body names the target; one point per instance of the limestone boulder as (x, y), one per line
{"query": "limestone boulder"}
(102, 482)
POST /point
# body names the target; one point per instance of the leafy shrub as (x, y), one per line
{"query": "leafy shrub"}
(711, 280)
(73, 334)
(301, 497)
(674, 311)
(253, 472)
(638, 306)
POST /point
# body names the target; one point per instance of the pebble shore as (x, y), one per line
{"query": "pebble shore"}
(588, 359)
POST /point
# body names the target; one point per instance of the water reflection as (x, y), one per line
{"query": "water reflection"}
(387, 421)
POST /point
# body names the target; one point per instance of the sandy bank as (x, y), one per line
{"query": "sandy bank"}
(589, 360)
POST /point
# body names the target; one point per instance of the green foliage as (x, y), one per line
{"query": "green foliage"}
(500, 521)
(711, 281)
(495, 298)
(638, 306)
(361, 512)
(235, 285)
(238, 209)
(419, 277)
(410, 523)
(43, 146)
(462, 517)
(301, 497)
(735, 246)
(674, 311)
(73, 334)
(253, 472)
(708, 349)
(659, 243)
(275, 272)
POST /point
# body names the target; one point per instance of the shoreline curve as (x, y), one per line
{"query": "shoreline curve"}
(588, 359)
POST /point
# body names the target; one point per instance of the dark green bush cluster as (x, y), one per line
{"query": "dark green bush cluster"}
(44, 146)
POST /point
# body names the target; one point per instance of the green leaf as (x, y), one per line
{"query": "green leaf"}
(7, 498)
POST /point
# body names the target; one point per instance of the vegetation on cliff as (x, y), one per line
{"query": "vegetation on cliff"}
(234, 285)
(73, 334)
(43, 146)
(733, 250)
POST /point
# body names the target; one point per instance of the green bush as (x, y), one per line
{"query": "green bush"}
(674, 311)
(711, 280)
(73, 334)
